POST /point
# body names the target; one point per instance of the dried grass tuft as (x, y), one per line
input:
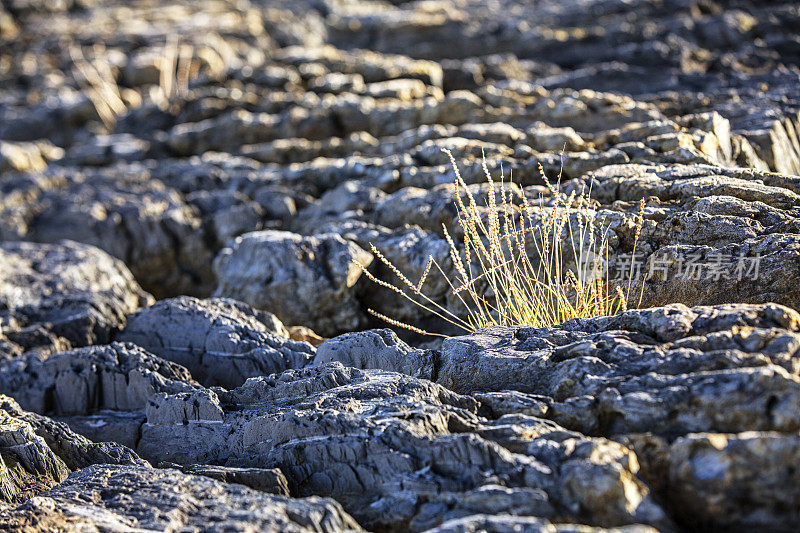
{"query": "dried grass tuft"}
(510, 264)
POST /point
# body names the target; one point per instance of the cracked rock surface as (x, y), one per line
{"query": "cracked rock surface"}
(707, 396)
(190, 189)
(399, 452)
(320, 118)
(37, 453)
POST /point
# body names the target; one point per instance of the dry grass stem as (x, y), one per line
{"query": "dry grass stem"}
(96, 79)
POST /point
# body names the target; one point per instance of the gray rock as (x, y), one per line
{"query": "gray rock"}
(706, 396)
(183, 408)
(427, 209)
(544, 139)
(295, 150)
(37, 453)
(683, 183)
(216, 119)
(337, 82)
(114, 497)
(730, 480)
(399, 452)
(350, 200)
(27, 465)
(105, 425)
(409, 249)
(377, 348)
(269, 480)
(710, 235)
(76, 451)
(222, 342)
(58, 296)
(507, 523)
(121, 211)
(710, 475)
(115, 376)
(662, 370)
(302, 280)
(107, 149)
(228, 214)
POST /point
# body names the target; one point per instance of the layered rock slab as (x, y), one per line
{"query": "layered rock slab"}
(100, 391)
(709, 235)
(583, 357)
(221, 342)
(115, 377)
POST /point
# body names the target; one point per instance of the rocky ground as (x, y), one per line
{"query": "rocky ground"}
(185, 184)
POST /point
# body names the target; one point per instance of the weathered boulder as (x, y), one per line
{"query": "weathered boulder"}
(738, 480)
(121, 211)
(222, 342)
(351, 199)
(105, 150)
(74, 449)
(59, 296)
(302, 280)
(410, 250)
(106, 497)
(372, 66)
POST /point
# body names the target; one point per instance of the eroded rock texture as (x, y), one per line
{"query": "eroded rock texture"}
(36, 453)
(162, 147)
(105, 497)
(667, 417)
(399, 452)
(256, 151)
(707, 396)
